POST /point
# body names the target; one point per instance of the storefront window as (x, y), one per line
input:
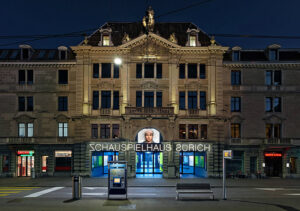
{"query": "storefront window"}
(293, 165)
(236, 164)
(5, 163)
(63, 159)
(44, 163)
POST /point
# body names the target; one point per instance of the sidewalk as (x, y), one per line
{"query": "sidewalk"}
(148, 182)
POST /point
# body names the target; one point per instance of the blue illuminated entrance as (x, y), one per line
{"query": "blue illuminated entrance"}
(193, 163)
(149, 162)
(99, 162)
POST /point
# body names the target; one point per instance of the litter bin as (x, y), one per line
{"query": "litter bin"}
(76, 187)
(32, 173)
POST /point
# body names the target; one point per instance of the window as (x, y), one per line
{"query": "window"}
(202, 71)
(44, 163)
(63, 54)
(115, 131)
(116, 70)
(253, 165)
(148, 99)
(192, 40)
(182, 71)
(22, 104)
(273, 77)
(63, 160)
(5, 163)
(192, 70)
(95, 70)
(94, 131)
(116, 100)
(22, 78)
(293, 165)
(138, 70)
(182, 131)
(203, 131)
(273, 131)
(273, 54)
(138, 98)
(203, 100)
(25, 129)
(273, 104)
(105, 40)
(236, 55)
(104, 131)
(95, 100)
(62, 103)
(30, 103)
(149, 70)
(105, 70)
(235, 130)
(235, 77)
(25, 53)
(158, 99)
(62, 129)
(193, 131)
(181, 100)
(159, 70)
(235, 104)
(63, 76)
(192, 100)
(29, 76)
(105, 99)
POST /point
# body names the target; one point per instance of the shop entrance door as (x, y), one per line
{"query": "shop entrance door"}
(273, 164)
(25, 164)
(149, 162)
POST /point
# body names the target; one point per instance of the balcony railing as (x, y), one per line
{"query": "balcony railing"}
(192, 112)
(259, 141)
(105, 111)
(149, 111)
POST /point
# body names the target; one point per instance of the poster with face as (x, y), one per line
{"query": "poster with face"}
(148, 136)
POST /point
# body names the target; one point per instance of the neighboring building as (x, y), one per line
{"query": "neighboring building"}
(66, 111)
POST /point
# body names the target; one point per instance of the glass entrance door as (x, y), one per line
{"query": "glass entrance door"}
(25, 164)
(149, 162)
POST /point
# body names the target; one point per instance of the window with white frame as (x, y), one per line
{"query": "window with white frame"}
(62, 129)
(25, 129)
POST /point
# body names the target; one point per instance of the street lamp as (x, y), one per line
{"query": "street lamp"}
(117, 61)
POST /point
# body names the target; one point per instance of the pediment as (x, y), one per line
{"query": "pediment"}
(273, 119)
(236, 119)
(24, 118)
(151, 37)
(61, 118)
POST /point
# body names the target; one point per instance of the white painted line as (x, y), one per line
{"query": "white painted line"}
(143, 194)
(93, 188)
(270, 189)
(93, 194)
(37, 194)
(293, 194)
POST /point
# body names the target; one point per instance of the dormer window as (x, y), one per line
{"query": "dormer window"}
(105, 40)
(272, 52)
(105, 37)
(192, 40)
(62, 52)
(236, 53)
(25, 52)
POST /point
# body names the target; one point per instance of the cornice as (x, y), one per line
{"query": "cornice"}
(37, 64)
(262, 64)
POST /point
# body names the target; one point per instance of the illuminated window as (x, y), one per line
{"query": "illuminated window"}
(182, 131)
(105, 40)
(25, 129)
(63, 129)
(273, 131)
(193, 131)
(192, 40)
(44, 163)
(235, 130)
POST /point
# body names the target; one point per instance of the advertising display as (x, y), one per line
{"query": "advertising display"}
(149, 136)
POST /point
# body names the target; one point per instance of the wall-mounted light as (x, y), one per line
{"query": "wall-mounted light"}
(118, 61)
(263, 165)
(288, 165)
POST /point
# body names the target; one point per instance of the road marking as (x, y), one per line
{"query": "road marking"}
(10, 191)
(270, 189)
(4, 189)
(19, 187)
(93, 194)
(93, 188)
(37, 194)
(143, 194)
(292, 194)
(4, 194)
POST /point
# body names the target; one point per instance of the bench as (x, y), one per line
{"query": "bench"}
(194, 189)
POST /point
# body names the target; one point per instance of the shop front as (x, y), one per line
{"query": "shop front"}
(273, 164)
(193, 163)
(25, 161)
(100, 162)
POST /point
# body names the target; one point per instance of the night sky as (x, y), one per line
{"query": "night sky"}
(255, 17)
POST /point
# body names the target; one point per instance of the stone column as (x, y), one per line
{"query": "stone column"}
(124, 70)
(173, 83)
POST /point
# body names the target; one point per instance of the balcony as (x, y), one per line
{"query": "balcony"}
(149, 111)
(278, 141)
(105, 111)
(17, 140)
(260, 141)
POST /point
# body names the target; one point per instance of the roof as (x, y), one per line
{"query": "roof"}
(37, 54)
(135, 29)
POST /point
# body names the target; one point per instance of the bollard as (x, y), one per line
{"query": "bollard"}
(32, 173)
(76, 187)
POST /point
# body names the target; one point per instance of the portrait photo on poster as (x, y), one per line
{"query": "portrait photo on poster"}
(149, 135)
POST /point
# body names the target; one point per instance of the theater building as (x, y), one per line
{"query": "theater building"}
(165, 97)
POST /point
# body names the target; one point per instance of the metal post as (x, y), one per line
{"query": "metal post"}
(224, 178)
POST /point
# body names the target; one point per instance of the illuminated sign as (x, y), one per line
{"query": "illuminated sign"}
(148, 136)
(25, 152)
(273, 154)
(227, 154)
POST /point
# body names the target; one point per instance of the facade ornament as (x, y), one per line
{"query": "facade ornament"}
(173, 38)
(148, 20)
(213, 41)
(126, 38)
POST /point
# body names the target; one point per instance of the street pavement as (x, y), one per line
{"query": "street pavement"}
(148, 194)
